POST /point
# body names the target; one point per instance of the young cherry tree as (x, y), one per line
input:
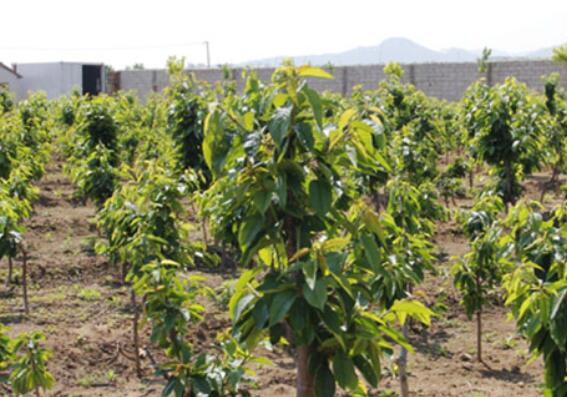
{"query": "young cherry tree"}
(556, 105)
(23, 363)
(505, 123)
(537, 290)
(281, 189)
(480, 270)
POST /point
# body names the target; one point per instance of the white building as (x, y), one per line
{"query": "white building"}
(57, 78)
(9, 79)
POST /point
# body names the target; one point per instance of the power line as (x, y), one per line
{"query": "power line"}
(145, 47)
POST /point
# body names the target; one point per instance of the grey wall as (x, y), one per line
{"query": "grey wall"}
(56, 79)
(442, 80)
(10, 80)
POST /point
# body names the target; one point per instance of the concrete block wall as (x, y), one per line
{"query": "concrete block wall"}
(530, 73)
(445, 80)
(441, 80)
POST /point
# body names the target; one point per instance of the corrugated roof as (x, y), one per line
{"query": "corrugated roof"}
(9, 69)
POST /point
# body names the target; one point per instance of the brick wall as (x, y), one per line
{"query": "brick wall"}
(442, 80)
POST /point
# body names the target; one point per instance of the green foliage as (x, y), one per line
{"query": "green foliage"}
(29, 370)
(483, 60)
(505, 123)
(93, 150)
(536, 289)
(280, 194)
(394, 70)
(560, 55)
(26, 362)
(141, 220)
(480, 270)
(6, 100)
(95, 175)
(185, 118)
(556, 131)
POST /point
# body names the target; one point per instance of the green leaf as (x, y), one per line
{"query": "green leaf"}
(316, 297)
(315, 102)
(260, 313)
(241, 305)
(305, 135)
(311, 71)
(310, 272)
(279, 125)
(371, 251)
(414, 309)
(345, 118)
(240, 289)
(324, 382)
(320, 196)
(281, 305)
(558, 302)
(335, 244)
(367, 370)
(249, 229)
(343, 369)
(262, 199)
(248, 121)
(558, 329)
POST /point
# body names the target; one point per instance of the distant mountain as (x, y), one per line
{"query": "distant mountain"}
(396, 49)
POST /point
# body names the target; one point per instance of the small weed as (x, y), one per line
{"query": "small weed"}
(116, 302)
(440, 350)
(97, 378)
(387, 393)
(111, 376)
(509, 343)
(87, 380)
(89, 294)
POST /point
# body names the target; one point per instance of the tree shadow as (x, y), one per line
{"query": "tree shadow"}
(12, 318)
(514, 375)
(431, 343)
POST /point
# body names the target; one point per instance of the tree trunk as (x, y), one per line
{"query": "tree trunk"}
(205, 234)
(305, 381)
(509, 175)
(25, 280)
(10, 271)
(403, 364)
(135, 333)
(479, 335)
(123, 272)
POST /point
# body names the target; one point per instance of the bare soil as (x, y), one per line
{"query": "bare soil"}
(86, 315)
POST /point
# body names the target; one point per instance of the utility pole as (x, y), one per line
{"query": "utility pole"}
(208, 54)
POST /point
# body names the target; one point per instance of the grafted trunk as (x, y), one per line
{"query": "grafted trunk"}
(479, 335)
(135, 333)
(403, 364)
(305, 381)
(479, 323)
(10, 271)
(123, 272)
(25, 280)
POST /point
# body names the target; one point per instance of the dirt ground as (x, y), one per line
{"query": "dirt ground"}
(85, 314)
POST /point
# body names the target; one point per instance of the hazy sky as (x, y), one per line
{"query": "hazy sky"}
(123, 32)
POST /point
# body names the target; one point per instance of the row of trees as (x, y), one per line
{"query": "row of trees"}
(328, 205)
(25, 135)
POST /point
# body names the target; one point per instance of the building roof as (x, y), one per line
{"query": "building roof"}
(9, 69)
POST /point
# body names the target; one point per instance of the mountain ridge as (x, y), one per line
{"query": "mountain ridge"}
(397, 49)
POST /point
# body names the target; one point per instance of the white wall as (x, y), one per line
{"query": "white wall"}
(56, 79)
(11, 80)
